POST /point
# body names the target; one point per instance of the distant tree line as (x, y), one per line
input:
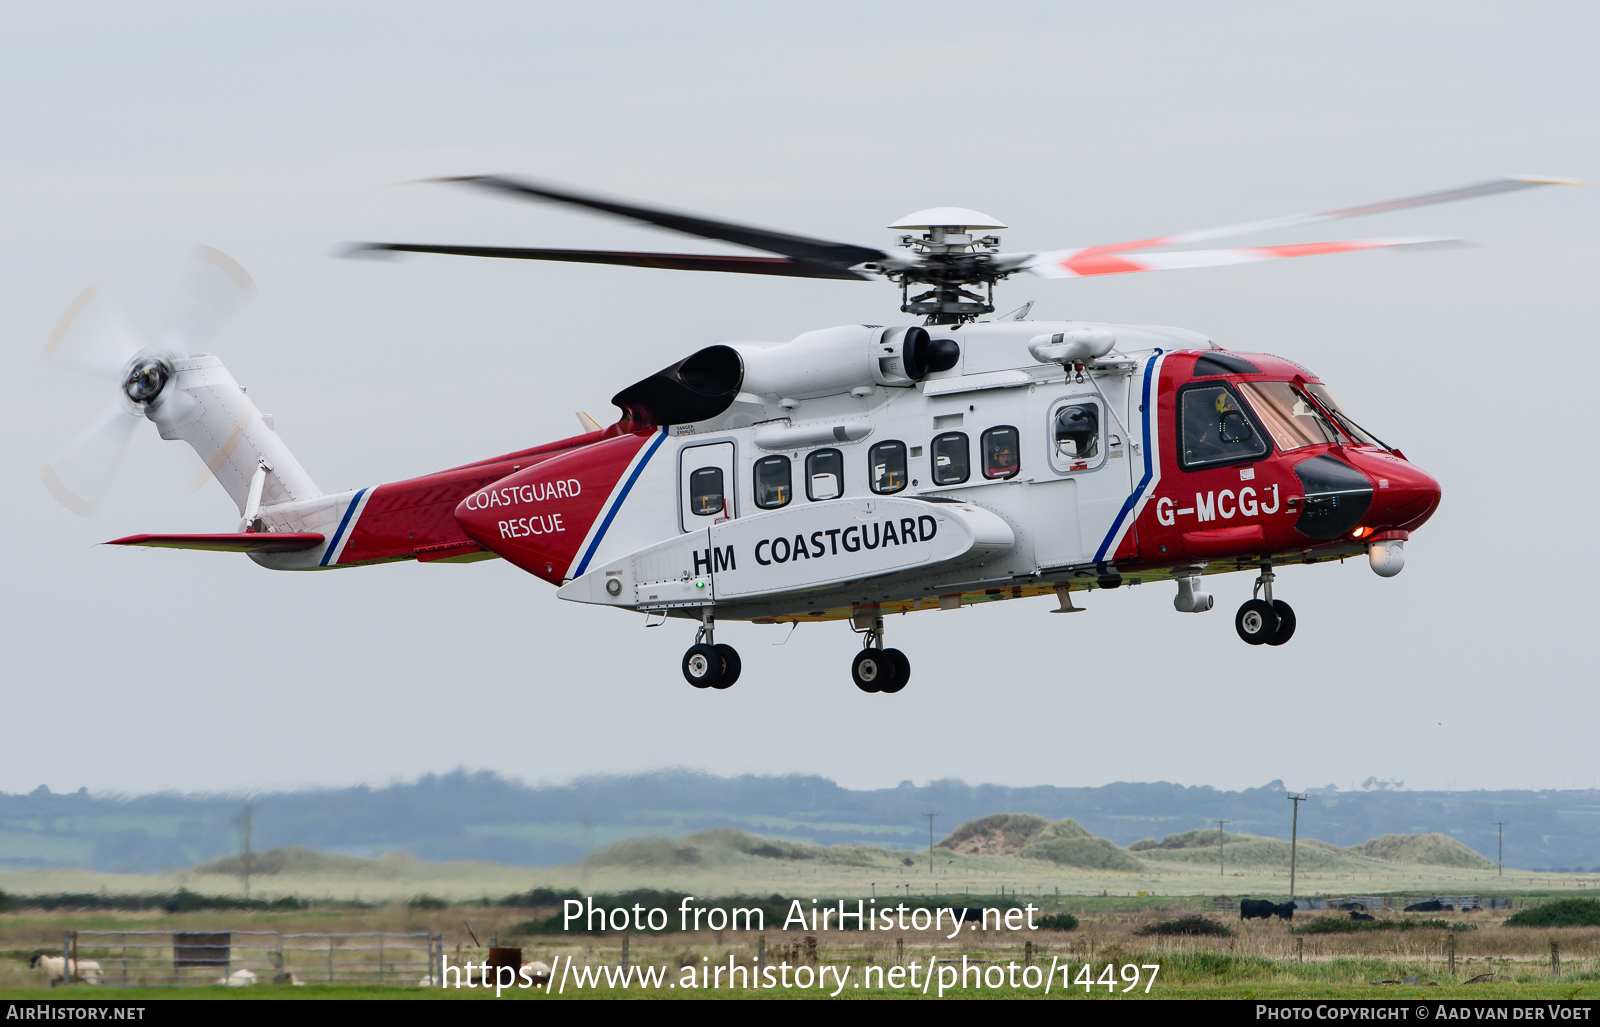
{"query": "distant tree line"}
(482, 815)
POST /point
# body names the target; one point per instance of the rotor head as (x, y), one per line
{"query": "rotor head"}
(145, 379)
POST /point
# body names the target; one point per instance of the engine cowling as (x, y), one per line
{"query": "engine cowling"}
(829, 362)
(834, 361)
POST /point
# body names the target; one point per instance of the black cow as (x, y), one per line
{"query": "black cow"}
(1431, 906)
(1251, 909)
(1361, 916)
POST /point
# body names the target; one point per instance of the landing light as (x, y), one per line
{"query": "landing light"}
(1361, 532)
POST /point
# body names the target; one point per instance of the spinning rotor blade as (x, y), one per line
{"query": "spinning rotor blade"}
(672, 261)
(80, 477)
(216, 286)
(1468, 192)
(101, 347)
(836, 255)
(1095, 261)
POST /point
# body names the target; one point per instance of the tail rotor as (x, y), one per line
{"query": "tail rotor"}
(107, 348)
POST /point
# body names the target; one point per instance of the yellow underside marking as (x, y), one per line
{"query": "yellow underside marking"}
(228, 266)
(73, 310)
(66, 497)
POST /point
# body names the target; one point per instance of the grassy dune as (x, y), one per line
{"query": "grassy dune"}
(1017, 855)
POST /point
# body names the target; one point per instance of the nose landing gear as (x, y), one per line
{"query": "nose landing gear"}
(708, 664)
(876, 669)
(1265, 621)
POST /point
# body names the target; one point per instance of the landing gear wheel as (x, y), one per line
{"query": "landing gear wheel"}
(902, 671)
(702, 666)
(1285, 623)
(1256, 621)
(874, 670)
(730, 664)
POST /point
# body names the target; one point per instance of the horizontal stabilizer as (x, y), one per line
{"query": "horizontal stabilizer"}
(234, 542)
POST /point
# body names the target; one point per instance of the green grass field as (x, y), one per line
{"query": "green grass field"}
(1315, 956)
(1256, 960)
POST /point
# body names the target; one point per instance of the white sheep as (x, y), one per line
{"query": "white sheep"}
(241, 978)
(84, 970)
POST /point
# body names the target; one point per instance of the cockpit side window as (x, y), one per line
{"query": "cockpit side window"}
(1214, 427)
(1291, 419)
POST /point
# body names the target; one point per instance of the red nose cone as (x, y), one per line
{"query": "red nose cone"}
(1404, 495)
(540, 517)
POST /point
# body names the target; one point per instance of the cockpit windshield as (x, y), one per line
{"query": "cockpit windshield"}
(1321, 394)
(1291, 419)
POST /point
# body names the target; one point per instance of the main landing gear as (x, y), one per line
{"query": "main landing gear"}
(707, 664)
(876, 669)
(1265, 621)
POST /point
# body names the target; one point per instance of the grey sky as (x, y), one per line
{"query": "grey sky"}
(276, 131)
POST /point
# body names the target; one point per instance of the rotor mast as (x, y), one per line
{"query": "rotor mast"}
(948, 257)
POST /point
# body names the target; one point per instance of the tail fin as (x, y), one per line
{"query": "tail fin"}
(206, 408)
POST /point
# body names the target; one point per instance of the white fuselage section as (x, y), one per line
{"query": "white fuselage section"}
(967, 468)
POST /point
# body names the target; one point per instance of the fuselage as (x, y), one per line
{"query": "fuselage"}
(995, 478)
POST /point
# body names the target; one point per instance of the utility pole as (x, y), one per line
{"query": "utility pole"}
(1501, 824)
(930, 817)
(246, 824)
(1294, 838)
(1221, 834)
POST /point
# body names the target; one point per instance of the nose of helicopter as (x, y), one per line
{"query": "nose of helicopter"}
(1404, 496)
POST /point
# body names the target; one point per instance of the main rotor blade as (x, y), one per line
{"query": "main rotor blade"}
(813, 251)
(671, 261)
(1093, 260)
(1489, 188)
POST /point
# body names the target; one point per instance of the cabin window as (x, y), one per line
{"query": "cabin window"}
(1290, 418)
(1215, 428)
(1002, 453)
(705, 492)
(1076, 434)
(824, 475)
(886, 463)
(951, 464)
(774, 485)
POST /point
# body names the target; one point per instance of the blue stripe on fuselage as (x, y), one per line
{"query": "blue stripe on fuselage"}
(583, 565)
(333, 546)
(1149, 463)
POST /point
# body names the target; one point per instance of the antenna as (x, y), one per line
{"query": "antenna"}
(1501, 824)
(1221, 835)
(930, 817)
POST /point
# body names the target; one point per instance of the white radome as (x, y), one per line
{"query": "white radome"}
(1387, 558)
(947, 217)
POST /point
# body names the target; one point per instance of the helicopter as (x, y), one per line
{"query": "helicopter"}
(854, 471)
